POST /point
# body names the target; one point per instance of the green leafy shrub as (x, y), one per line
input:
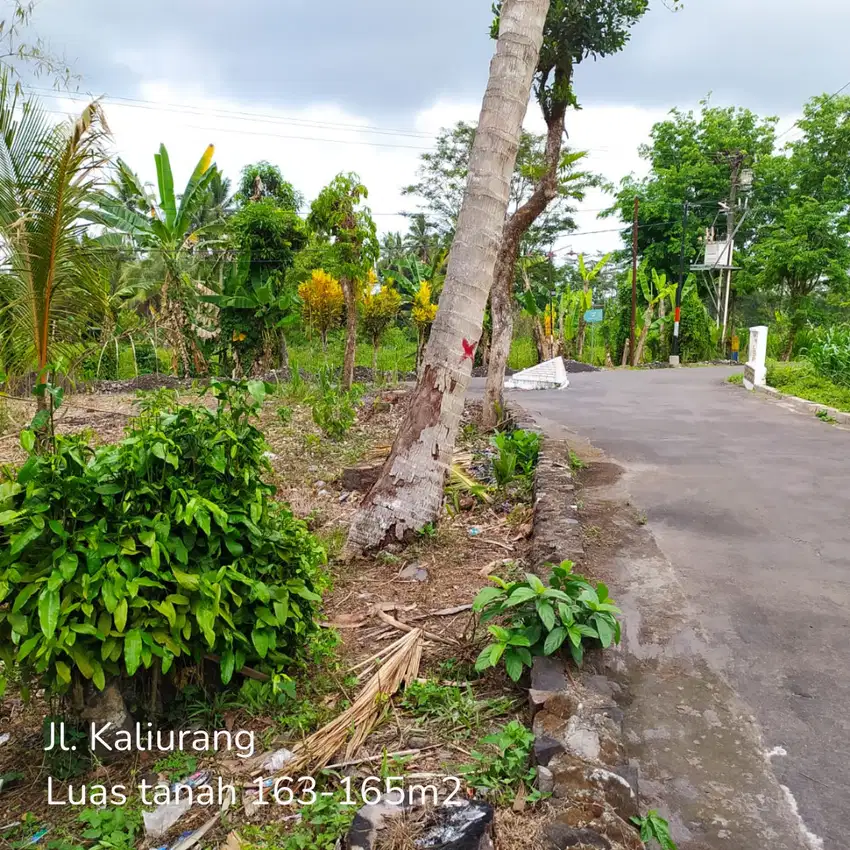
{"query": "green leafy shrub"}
(518, 451)
(110, 829)
(334, 409)
(500, 770)
(829, 353)
(165, 546)
(737, 378)
(538, 620)
(798, 378)
(334, 413)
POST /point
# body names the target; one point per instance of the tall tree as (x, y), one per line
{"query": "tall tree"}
(255, 304)
(50, 279)
(691, 157)
(442, 176)
(262, 180)
(337, 215)
(574, 31)
(800, 247)
(409, 491)
(167, 230)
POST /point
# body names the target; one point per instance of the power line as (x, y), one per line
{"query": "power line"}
(831, 97)
(286, 136)
(257, 117)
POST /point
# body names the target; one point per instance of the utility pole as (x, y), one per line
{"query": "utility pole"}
(677, 318)
(634, 283)
(737, 162)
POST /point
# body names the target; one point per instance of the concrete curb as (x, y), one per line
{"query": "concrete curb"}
(803, 405)
(557, 531)
(579, 736)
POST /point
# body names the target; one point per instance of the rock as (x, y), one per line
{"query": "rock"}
(563, 705)
(560, 836)
(464, 825)
(107, 706)
(585, 730)
(344, 496)
(413, 572)
(547, 674)
(537, 699)
(602, 685)
(576, 780)
(545, 780)
(319, 485)
(324, 493)
(545, 748)
(362, 477)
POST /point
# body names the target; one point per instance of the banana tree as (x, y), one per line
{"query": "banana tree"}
(251, 307)
(168, 230)
(587, 278)
(655, 295)
(51, 285)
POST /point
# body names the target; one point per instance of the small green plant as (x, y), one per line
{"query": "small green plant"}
(334, 409)
(284, 413)
(66, 764)
(110, 829)
(176, 765)
(519, 452)
(737, 378)
(576, 463)
(320, 827)
(504, 467)
(538, 620)
(428, 531)
(334, 413)
(499, 770)
(653, 827)
(451, 705)
(824, 416)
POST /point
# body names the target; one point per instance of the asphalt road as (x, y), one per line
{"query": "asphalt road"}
(750, 502)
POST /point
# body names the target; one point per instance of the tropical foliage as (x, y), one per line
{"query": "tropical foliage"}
(154, 551)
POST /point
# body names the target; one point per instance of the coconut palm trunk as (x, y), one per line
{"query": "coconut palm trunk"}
(409, 491)
(501, 296)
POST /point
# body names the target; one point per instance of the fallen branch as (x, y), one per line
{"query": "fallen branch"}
(399, 668)
(381, 757)
(497, 543)
(445, 612)
(391, 621)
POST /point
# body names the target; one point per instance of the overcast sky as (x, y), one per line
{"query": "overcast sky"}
(305, 67)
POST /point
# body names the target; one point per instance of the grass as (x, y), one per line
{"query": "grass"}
(737, 378)
(397, 352)
(798, 378)
(523, 353)
(454, 707)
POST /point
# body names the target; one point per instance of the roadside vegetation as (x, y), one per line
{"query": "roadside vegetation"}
(241, 486)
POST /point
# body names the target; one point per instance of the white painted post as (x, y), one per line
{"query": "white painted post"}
(755, 370)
